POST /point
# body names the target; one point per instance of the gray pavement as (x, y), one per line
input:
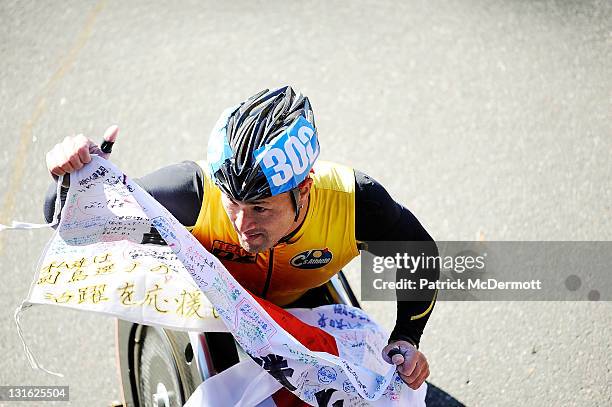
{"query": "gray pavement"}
(488, 119)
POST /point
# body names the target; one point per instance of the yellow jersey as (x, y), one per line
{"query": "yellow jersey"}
(323, 244)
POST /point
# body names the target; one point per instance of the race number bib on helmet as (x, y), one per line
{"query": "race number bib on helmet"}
(287, 160)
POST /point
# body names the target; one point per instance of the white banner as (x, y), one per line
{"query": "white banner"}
(99, 260)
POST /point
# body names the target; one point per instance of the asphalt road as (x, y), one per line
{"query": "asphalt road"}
(488, 119)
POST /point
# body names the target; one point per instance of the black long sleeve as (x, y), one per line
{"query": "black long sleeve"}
(380, 218)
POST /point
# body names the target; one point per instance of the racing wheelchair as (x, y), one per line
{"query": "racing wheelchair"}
(161, 368)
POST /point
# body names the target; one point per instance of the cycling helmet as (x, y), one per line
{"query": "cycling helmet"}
(264, 147)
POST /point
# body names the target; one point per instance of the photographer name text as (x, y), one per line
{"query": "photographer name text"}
(459, 284)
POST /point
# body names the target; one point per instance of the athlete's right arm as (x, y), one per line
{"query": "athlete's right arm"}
(178, 187)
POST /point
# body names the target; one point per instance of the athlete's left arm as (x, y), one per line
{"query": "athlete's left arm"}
(378, 217)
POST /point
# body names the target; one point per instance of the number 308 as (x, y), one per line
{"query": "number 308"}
(298, 155)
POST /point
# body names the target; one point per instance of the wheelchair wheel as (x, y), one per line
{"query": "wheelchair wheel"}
(159, 382)
(157, 366)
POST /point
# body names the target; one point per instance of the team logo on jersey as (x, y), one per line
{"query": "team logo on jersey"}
(232, 252)
(312, 259)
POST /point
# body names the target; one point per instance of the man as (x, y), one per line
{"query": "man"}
(279, 223)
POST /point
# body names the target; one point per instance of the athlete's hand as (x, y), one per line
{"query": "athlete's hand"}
(74, 152)
(411, 364)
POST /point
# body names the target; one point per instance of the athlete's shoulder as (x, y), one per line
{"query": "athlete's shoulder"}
(178, 187)
(333, 176)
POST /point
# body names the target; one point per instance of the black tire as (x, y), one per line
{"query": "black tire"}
(159, 379)
(156, 365)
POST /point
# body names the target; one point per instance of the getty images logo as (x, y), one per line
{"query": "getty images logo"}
(312, 259)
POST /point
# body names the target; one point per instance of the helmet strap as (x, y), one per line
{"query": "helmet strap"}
(295, 198)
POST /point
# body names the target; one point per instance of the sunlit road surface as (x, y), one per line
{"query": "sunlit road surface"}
(489, 120)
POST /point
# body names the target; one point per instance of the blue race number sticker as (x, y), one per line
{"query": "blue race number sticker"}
(287, 160)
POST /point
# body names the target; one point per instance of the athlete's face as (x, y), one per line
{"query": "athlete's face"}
(262, 223)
